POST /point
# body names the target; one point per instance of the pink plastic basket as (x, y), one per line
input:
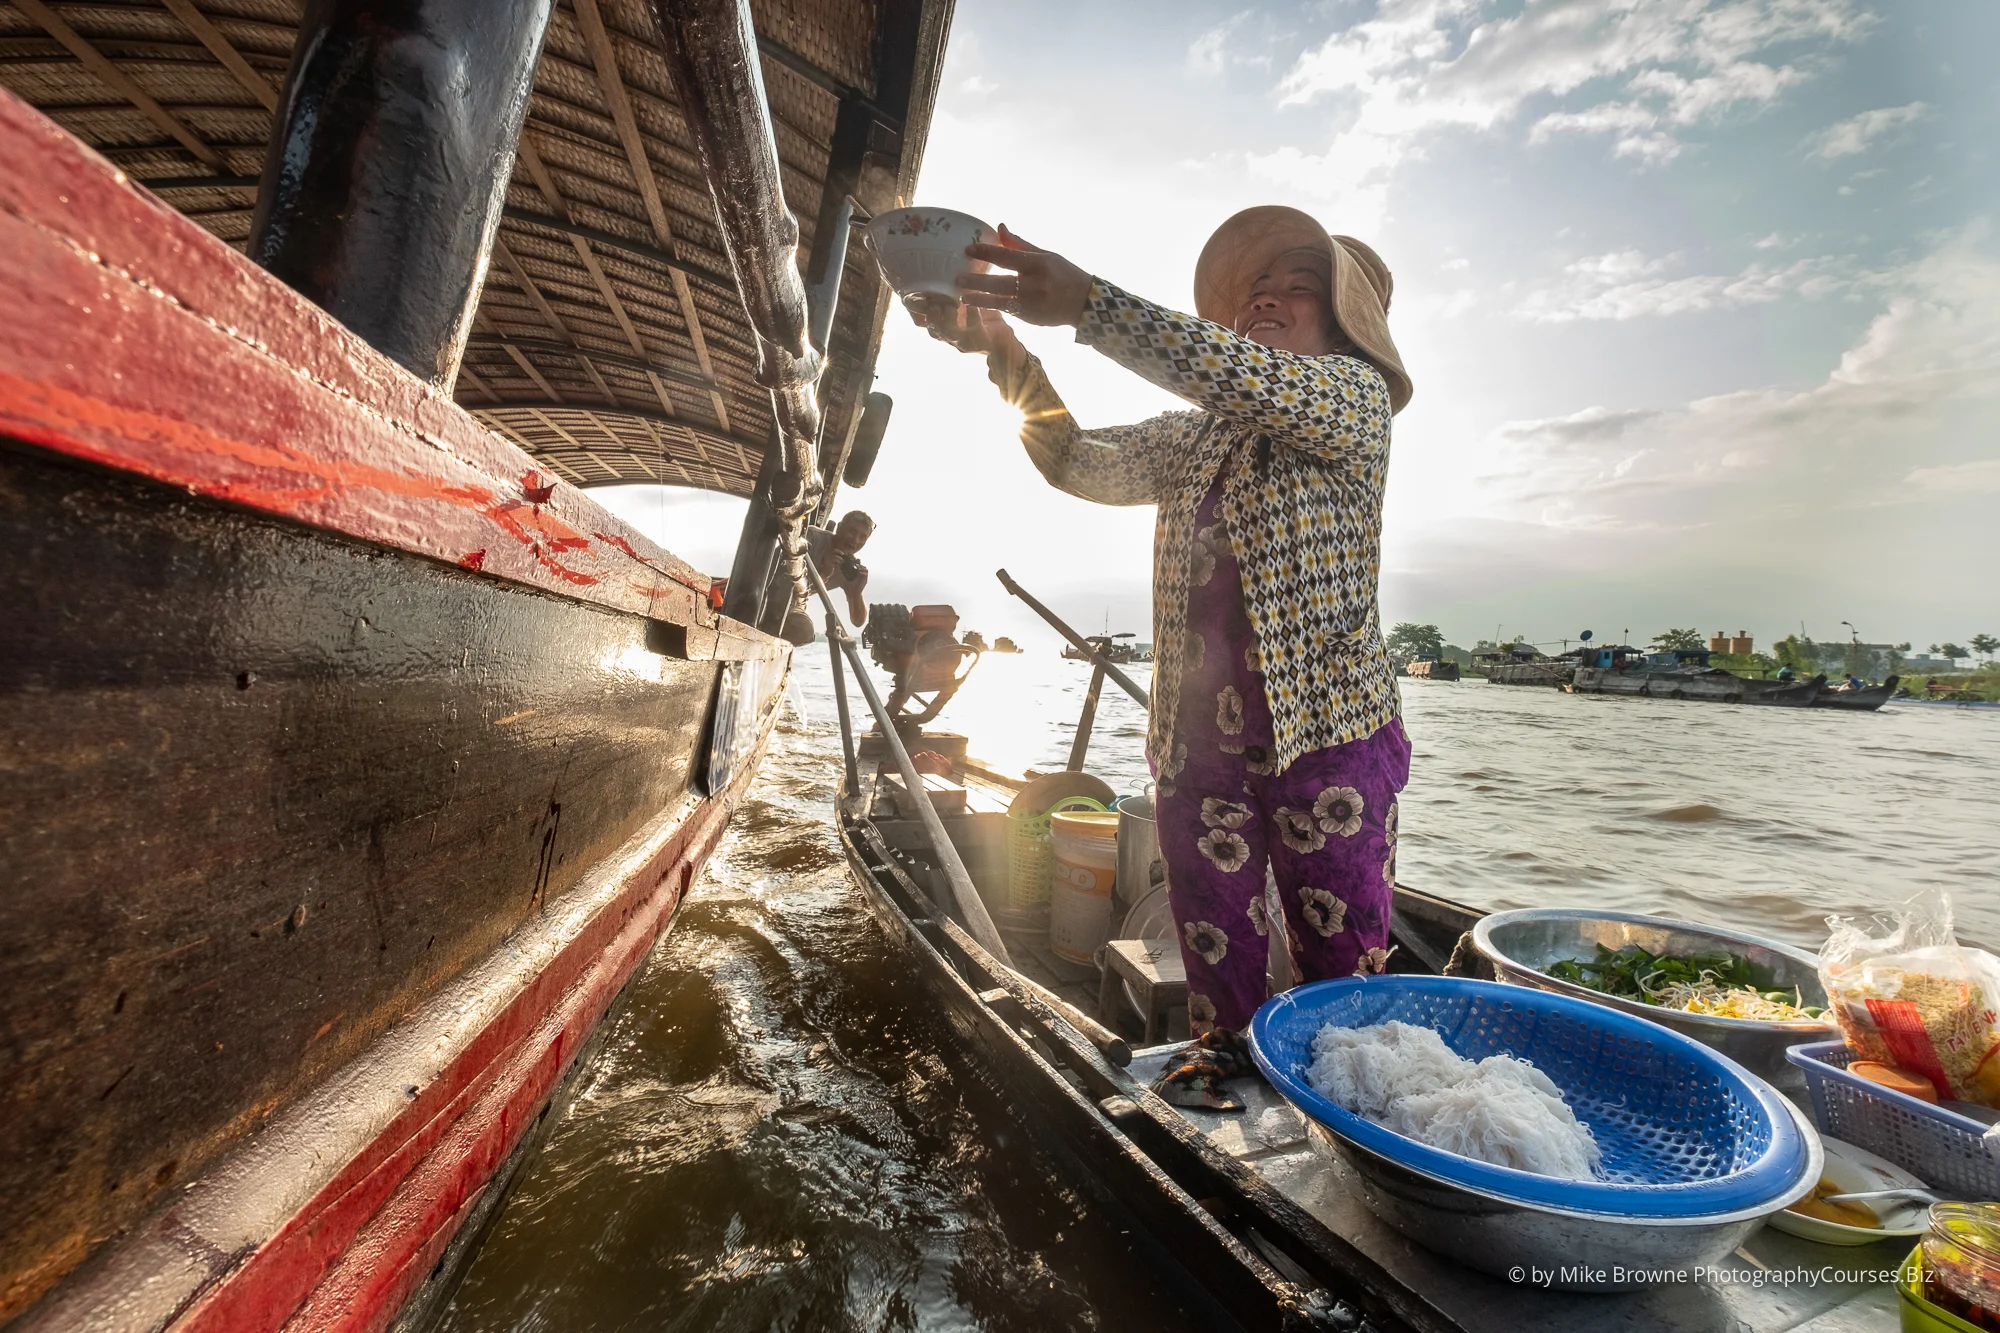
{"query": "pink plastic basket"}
(1947, 1150)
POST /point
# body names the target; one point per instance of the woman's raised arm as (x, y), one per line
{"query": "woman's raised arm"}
(1116, 465)
(1334, 406)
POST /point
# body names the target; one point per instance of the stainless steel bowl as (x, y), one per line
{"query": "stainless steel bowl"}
(1583, 1251)
(1520, 944)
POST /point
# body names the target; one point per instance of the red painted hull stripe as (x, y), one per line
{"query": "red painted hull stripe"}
(385, 1263)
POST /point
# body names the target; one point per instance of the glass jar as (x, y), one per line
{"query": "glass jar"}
(1961, 1262)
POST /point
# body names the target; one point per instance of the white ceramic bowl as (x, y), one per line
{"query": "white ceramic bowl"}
(1856, 1169)
(922, 250)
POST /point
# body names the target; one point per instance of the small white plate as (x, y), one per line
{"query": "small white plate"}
(1854, 1169)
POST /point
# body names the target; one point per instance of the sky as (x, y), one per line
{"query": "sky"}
(1701, 301)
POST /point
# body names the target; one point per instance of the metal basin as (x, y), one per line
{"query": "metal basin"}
(1584, 1251)
(1519, 944)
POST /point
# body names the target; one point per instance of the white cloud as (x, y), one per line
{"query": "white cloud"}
(1647, 69)
(1981, 477)
(1208, 55)
(1924, 379)
(1857, 134)
(1627, 284)
(1593, 425)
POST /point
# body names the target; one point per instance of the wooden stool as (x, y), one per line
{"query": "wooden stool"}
(1156, 972)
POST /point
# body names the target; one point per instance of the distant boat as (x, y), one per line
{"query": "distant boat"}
(1429, 668)
(1003, 644)
(1860, 699)
(1113, 651)
(1551, 671)
(1522, 664)
(1703, 684)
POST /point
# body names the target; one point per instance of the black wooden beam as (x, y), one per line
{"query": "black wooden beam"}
(813, 74)
(869, 159)
(386, 174)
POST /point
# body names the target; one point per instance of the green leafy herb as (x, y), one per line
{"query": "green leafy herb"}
(1702, 982)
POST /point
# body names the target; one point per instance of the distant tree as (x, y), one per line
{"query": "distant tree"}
(974, 640)
(1951, 650)
(1985, 645)
(1791, 652)
(1411, 641)
(1683, 639)
(1903, 647)
(1453, 653)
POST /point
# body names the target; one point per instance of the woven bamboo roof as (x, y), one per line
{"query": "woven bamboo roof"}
(610, 341)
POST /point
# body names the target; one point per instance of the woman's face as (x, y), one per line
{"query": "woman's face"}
(1289, 308)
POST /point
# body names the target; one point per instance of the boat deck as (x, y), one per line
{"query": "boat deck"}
(1270, 1137)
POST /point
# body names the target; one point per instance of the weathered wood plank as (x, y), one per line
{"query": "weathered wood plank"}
(138, 341)
(266, 788)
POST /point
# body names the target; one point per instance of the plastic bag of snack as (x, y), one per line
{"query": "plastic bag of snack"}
(1911, 997)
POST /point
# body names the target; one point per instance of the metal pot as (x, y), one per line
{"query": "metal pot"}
(1140, 866)
(1520, 944)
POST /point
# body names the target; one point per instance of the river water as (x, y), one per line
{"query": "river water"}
(776, 1134)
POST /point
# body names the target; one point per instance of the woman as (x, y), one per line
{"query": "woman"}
(1275, 735)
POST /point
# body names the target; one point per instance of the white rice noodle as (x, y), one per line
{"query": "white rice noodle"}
(1500, 1110)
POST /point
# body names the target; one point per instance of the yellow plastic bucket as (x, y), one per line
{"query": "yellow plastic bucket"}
(1085, 843)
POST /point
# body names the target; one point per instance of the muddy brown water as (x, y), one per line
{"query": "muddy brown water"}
(776, 1134)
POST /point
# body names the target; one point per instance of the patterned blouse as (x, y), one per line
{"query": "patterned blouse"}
(1301, 444)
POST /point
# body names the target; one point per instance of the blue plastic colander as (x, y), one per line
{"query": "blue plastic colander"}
(1685, 1132)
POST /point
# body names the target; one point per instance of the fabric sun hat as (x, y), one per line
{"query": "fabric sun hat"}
(1247, 244)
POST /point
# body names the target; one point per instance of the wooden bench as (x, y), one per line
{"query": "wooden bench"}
(1157, 975)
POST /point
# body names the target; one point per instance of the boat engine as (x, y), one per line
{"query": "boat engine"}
(919, 647)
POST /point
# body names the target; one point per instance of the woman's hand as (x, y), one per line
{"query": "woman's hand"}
(1044, 288)
(961, 325)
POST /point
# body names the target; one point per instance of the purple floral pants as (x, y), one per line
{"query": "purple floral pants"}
(1326, 825)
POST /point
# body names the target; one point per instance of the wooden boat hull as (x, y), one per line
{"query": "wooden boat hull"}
(351, 767)
(1433, 671)
(1867, 699)
(1705, 687)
